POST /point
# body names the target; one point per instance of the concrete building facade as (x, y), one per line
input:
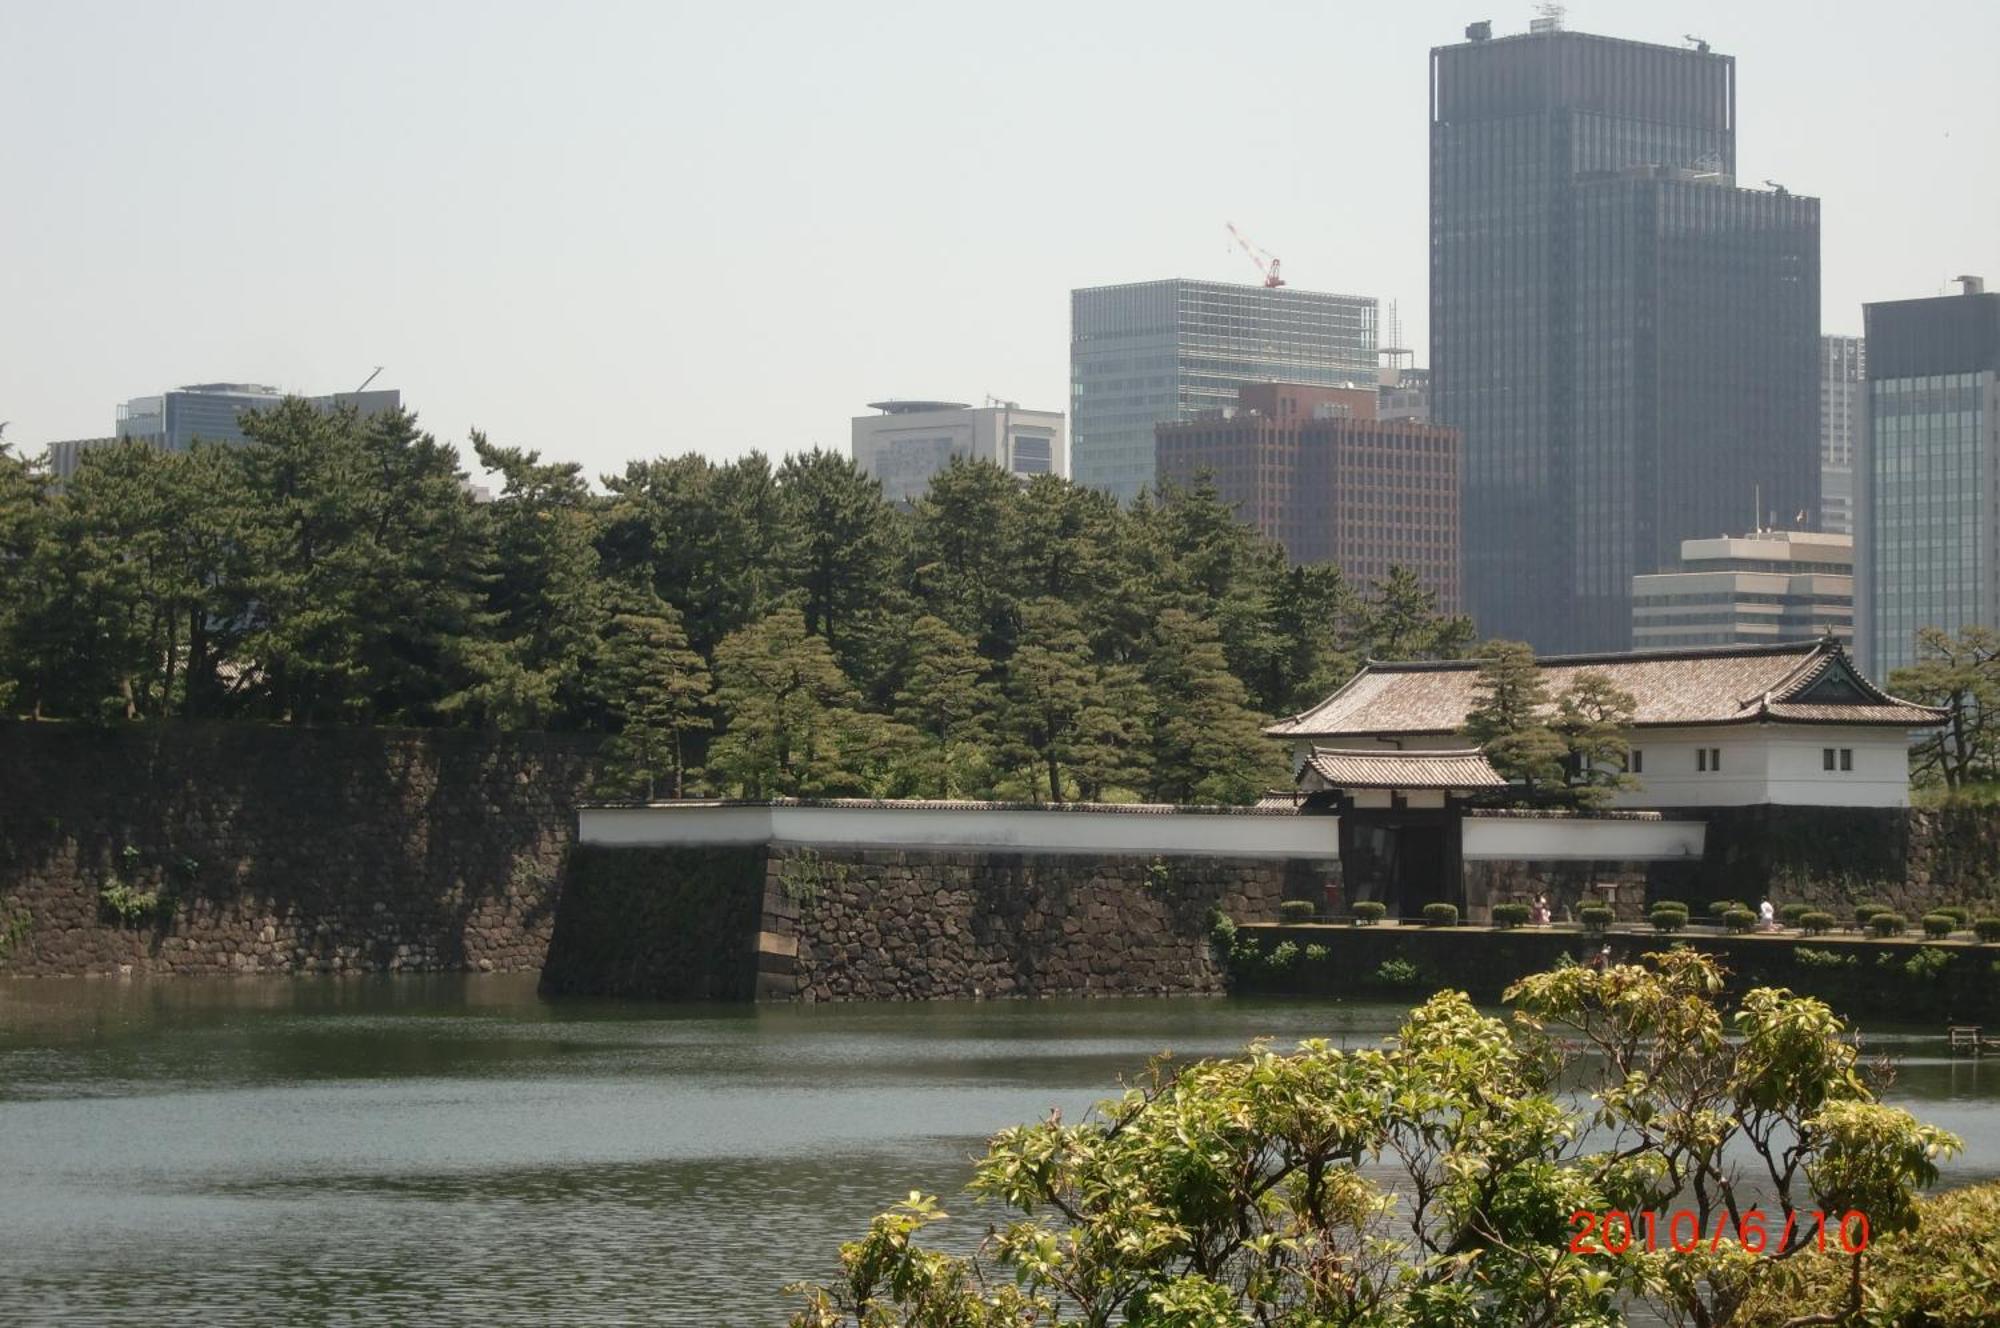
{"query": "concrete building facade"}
(1930, 503)
(1772, 585)
(1626, 339)
(909, 442)
(1843, 405)
(1160, 352)
(1315, 469)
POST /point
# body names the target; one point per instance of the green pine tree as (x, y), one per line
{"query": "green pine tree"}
(1510, 719)
(658, 690)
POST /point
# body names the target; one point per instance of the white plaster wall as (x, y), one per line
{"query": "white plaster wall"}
(929, 828)
(1775, 763)
(1520, 839)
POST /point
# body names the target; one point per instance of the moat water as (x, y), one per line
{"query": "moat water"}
(442, 1149)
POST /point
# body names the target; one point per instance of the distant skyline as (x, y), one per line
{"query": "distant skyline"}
(615, 230)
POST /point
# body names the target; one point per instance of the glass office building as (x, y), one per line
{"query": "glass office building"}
(1157, 352)
(211, 412)
(1931, 451)
(1627, 341)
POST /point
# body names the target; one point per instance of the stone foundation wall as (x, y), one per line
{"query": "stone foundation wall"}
(1570, 885)
(1913, 860)
(872, 925)
(281, 850)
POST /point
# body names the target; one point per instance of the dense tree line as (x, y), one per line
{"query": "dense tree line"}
(742, 628)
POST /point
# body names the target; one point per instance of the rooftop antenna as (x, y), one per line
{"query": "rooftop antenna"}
(1549, 18)
(1777, 188)
(369, 379)
(1696, 42)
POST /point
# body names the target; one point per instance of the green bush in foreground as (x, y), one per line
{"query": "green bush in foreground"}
(1369, 912)
(1296, 910)
(1440, 915)
(1986, 929)
(1939, 925)
(1886, 923)
(1251, 1190)
(1943, 1273)
(1510, 915)
(1816, 922)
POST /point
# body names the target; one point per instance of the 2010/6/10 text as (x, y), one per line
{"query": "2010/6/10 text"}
(1758, 1232)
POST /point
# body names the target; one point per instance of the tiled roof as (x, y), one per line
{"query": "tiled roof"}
(1466, 769)
(1809, 682)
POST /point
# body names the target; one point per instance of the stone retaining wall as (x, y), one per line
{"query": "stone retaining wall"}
(866, 924)
(281, 850)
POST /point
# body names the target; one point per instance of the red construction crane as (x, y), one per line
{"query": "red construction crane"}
(1266, 264)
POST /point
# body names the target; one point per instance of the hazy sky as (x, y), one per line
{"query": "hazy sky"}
(612, 230)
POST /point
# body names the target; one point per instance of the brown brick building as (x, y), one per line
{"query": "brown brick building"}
(1316, 470)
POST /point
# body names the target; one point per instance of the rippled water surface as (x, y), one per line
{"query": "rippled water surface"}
(455, 1149)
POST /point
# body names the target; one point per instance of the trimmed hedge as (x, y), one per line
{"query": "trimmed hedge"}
(1595, 917)
(1987, 929)
(1739, 919)
(1939, 925)
(1440, 915)
(1369, 912)
(1789, 914)
(1296, 910)
(1867, 909)
(1510, 915)
(1958, 913)
(1668, 918)
(1816, 922)
(1722, 908)
(1887, 923)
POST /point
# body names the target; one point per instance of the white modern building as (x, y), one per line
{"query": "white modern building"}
(908, 442)
(1773, 585)
(1843, 406)
(1793, 724)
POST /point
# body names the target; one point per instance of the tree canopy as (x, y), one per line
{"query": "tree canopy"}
(749, 628)
(1430, 1181)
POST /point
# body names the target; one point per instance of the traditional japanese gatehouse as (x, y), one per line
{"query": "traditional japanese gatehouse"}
(1792, 724)
(1401, 814)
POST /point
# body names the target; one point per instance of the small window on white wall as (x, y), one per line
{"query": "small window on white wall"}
(1701, 758)
(1847, 758)
(1638, 762)
(1826, 758)
(1708, 758)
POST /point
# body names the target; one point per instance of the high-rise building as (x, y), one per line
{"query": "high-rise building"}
(1843, 371)
(211, 411)
(1626, 339)
(1773, 585)
(1316, 469)
(1159, 351)
(1930, 461)
(910, 441)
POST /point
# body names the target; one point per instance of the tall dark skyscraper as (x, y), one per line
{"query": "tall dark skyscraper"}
(1628, 342)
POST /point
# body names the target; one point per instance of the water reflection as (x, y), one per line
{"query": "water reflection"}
(426, 1148)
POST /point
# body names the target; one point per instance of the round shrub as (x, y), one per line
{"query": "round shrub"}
(1369, 912)
(1958, 913)
(1816, 922)
(1595, 917)
(1296, 910)
(1668, 919)
(1317, 954)
(1938, 925)
(1510, 915)
(1886, 923)
(1867, 909)
(1789, 914)
(1987, 929)
(1440, 915)
(1669, 903)
(1721, 908)
(1739, 919)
